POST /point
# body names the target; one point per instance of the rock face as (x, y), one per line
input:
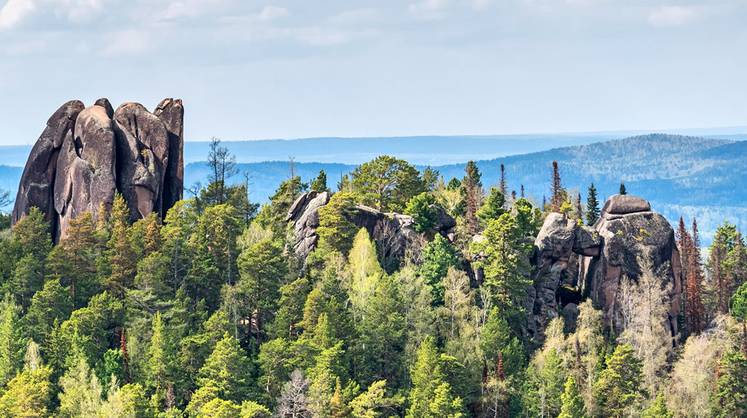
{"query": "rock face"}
(86, 155)
(573, 262)
(36, 188)
(393, 233)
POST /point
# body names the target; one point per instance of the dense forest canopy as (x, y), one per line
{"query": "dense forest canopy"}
(207, 313)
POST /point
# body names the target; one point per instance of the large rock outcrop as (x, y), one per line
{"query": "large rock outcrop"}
(86, 155)
(393, 233)
(573, 262)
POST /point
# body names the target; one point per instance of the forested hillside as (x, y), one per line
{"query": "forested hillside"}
(328, 304)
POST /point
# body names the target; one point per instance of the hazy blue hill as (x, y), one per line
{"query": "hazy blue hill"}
(425, 150)
(680, 175)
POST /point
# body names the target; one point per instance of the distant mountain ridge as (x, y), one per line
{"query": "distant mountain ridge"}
(680, 175)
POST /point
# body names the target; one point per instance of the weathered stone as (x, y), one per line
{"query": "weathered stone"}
(620, 204)
(304, 213)
(393, 233)
(83, 158)
(36, 188)
(85, 178)
(171, 113)
(573, 262)
(143, 152)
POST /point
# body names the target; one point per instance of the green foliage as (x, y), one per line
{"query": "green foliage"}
(228, 370)
(493, 206)
(431, 396)
(80, 394)
(572, 403)
(374, 402)
(28, 394)
(504, 257)
(436, 259)
(336, 229)
(619, 388)
(623, 190)
(424, 211)
(12, 344)
(319, 184)
(657, 409)
(386, 183)
(592, 206)
(730, 394)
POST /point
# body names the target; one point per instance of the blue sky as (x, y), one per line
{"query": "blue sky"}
(281, 69)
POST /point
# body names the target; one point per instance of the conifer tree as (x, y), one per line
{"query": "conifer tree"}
(73, 260)
(11, 340)
(120, 253)
(730, 395)
(319, 184)
(158, 361)
(623, 190)
(29, 393)
(430, 396)
(502, 186)
(592, 206)
(572, 403)
(619, 386)
(80, 390)
(228, 370)
(658, 408)
(558, 192)
(472, 194)
(694, 309)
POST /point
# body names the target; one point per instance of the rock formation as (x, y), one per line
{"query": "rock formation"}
(573, 262)
(393, 233)
(86, 155)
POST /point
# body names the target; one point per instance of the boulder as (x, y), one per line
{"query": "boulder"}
(143, 155)
(304, 213)
(86, 155)
(393, 233)
(85, 179)
(171, 113)
(572, 262)
(36, 188)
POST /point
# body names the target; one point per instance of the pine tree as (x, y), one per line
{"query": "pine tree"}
(592, 206)
(730, 395)
(502, 183)
(623, 191)
(12, 343)
(558, 192)
(319, 184)
(158, 361)
(694, 309)
(472, 194)
(430, 396)
(228, 370)
(29, 393)
(619, 386)
(572, 402)
(80, 390)
(658, 408)
(120, 253)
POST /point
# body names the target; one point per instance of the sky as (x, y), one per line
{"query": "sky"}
(250, 69)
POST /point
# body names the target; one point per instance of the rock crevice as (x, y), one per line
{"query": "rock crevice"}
(573, 262)
(86, 155)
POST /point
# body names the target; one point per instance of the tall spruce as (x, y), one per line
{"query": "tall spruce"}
(694, 309)
(623, 190)
(558, 192)
(502, 186)
(472, 194)
(592, 206)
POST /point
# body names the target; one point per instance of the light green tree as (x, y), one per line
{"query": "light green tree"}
(572, 404)
(12, 343)
(228, 370)
(619, 388)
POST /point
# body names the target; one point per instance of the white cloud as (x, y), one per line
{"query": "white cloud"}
(672, 15)
(14, 11)
(429, 9)
(272, 12)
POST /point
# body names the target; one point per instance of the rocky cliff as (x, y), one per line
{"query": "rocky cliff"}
(573, 262)
(393, 233)
(87, 154)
